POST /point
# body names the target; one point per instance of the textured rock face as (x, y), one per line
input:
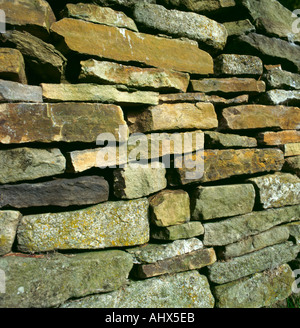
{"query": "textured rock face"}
(111, 224)
(16, 92)
(30, 163)
(182, 290)
(222, 201)
(60, 192)
(221, 140)
(12, 66)
(170, 207)
(202, 5)
(292, 164)
(182, 24)
(279, 138)
(30, 283)
(276, 190)
(174, 117)
(256, 291)
(240, 27)
(9, 221)
(140, 181)
(99, 15)
(280, 79)
(216, 233)
(291, 149)
(181, 231)
(228, 85)
(239, 267)
(69, 122)
(281, 97)
(145, 78)
(79, 37)
(238, 65)
(122, 3)
(260, 116)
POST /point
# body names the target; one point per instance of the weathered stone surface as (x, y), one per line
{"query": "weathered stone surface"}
(99, 15)
(250, 244)
(144, 78)
(12, 66)
(202, 97)
(221, 140)
(231, 230)
(43, 59)
(291, 149)
(173, 117)
(110, 224)
(222, 201)
(30, 163)
(152, 253)
(294, 230)
(272, 18)
(256, 291)
(49, 280)
(138, 181)
(227, 64)
(170, 207)
(121, 3)
(181, 290)
(280, 79)
(17, 92)
(222, 164)
(270, 48)
(9, 221)
(260, 116)
(240, 27)
(60, 192)
(194, 260)
(279, 138)
(97, 93)
(181, 231)
(228, 85)
(127, 46)
(69, 122)
(277, 190)
(242, 266)
(292, 164)
(35, 17)
(281, 97)
(190, 25)
(201, 5)
(155, 145)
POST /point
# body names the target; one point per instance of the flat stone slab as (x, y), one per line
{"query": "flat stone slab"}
(110, 224)
(222, 201)
(279, 138)
(9, 221)
(291, 149)
(281, 97)
(97, 93)
(256, 291)
(240, 27)
(21, 164)
(166, 117)
(242, 266)
(277, 190)
(76, 275)
(68, 122)
(181, 290)
(226, 140)
(228, 85)
(79, 36)
(12, 66)
(136, 77)
(260, 116)
(292, 164)
(17, 92)
(216, 233)
(59, 192)
(280, 79)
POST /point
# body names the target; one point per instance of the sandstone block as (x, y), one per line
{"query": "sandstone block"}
(12, 66)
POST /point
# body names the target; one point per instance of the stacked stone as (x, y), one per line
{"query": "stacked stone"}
(144, 236)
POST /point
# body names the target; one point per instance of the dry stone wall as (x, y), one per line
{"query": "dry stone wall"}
(79, 226)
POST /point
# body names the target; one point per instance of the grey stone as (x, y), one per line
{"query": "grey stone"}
(239, 27)
(226, 140)
(222, 201)
(294, 230)
(181, 231)
(256, 291)
(181, 290)
(292, 164)
(9, 221)
(17, 92)
(30, 163)
(48, 280)
(58, 192)
(239, 267)
(181, 24)
(281, 97)
(135, 182)
(122, 3)
(234, 229)
(280, 79)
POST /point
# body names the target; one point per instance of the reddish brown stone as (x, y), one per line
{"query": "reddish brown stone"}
(279, 138)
